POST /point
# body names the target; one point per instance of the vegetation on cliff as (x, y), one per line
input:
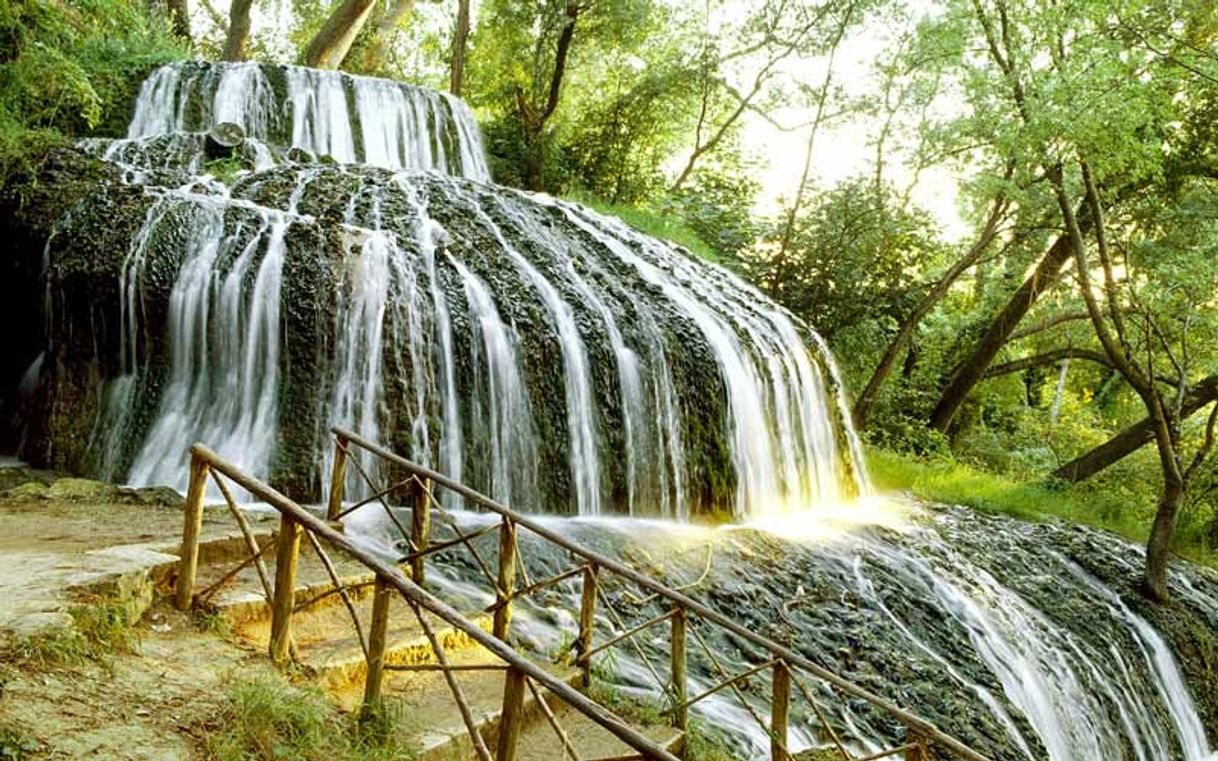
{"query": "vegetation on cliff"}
(69, 69)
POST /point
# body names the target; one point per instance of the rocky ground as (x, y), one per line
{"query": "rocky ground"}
(87, 668)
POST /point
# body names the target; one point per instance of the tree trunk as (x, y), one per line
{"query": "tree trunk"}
(329, 47)
(460, 36)
(179, 17)
(533, 122)
(1159, 543)
(533, 169)
(862, 405)
(1131, 439)
(238, 30)
(967, 375)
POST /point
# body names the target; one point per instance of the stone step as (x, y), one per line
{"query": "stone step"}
(327, 643)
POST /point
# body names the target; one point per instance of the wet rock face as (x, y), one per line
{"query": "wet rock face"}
(1023, 641)
(551, 357)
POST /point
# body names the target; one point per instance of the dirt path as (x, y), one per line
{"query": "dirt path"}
(150, 705)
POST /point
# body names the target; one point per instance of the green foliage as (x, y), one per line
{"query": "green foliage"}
(267, 719)
(854, 254)
(951, 482)
(69, 69)
(15, 745)
(704, 742)
(717, 204)
(226, 169)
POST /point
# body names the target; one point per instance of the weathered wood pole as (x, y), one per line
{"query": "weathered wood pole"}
(780, 712)
(511, 719)
(917, 743)
(192, 517)
(507, 579)
(338, 479)
(587, 621)
(680, 717)
(375, 677)
(420, 529)
(287, 552)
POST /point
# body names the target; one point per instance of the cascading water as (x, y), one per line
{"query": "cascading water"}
(993, 629)
(529, 346)
(348, 118)
(561, 362)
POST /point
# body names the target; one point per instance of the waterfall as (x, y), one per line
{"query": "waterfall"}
(350, 118)
(529, 346)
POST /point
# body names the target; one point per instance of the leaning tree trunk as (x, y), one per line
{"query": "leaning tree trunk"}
(970, 373)
(460, 39)
(863, 405)
(179, 17)
(238, 30)
(329, 47)
(1133, 438)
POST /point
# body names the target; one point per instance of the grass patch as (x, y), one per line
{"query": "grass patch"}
(950, 482)
(654, 223)
(268, 719)
(14, 744)
(101, 629)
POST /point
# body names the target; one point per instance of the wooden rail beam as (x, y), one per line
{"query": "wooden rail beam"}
(338, 478)
(192, 516)
(680, 717)
(287, 553)
(419, 597)
(780, 712)
(721, 685)
(793, 659)
(511, 719)
(587, 656)
(587, 621)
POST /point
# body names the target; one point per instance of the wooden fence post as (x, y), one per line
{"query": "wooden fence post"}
(192, 517)
(680, 717)
(780, 712)
(587, 621)
(338, 479)
(287, 552)
(507, 579)
(375, 677)
(511, 720)
(420, 529)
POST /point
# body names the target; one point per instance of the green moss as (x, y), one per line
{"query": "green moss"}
(15, 744)
(654, 223)
(101, 629)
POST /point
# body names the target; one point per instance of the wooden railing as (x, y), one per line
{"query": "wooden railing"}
(418, 486)
(521, 674)
(786, 667)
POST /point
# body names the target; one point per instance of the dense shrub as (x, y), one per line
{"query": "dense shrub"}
(69, 69)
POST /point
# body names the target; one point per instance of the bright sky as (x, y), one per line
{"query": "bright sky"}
(845, 148)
